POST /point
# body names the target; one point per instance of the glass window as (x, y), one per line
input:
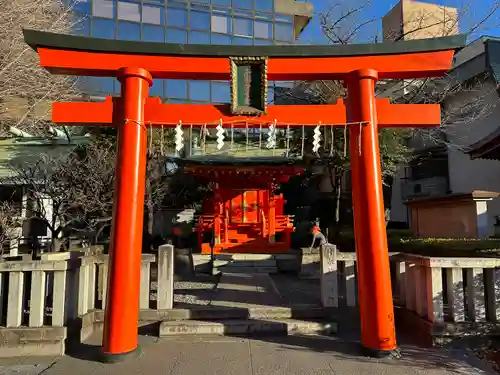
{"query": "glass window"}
(104, 8)
(129, 11)
(129, 31)
(152, 33)
(177, 36)
(118, 86)
(283, 17)
(264, 5)
(176, 101)
(283, 31)
(98, 84)
(242, 26)
(81, 6)
(176, 88)
(221, 2)
(157, 88)
(199, 90)
(264, 16)
(220, 92)
(263, 29)
(153, 14)
(221, 39)
(102, 28)
(200, 20)
(221, 24)
(199, 37)
(262, 42)
(177, 17)
(244, 4)
(242, 41)
(82, 28)
(178, 4)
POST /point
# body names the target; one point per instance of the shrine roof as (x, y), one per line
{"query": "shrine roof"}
(41, 39)
(234, 162)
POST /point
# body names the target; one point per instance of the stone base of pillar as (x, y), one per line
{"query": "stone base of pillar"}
(375, 353)
(121, 357)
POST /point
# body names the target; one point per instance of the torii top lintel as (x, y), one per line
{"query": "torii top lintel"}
(74, 55)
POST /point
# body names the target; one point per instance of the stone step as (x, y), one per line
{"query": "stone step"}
(245, 263)
(246, 327)
(246, 257)
(255, 313)
(239, 269)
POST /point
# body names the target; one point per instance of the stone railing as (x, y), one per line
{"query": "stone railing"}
(456, 290)
(448, 289)
(41, 299)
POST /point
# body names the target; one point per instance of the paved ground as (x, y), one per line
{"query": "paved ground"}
(260, 356)
(287, 355)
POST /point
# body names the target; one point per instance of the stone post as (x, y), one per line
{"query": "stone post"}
(329, 275)
(165, 283)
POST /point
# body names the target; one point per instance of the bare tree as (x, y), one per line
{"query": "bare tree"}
(26, 90)
(71, 191)
(10, 224)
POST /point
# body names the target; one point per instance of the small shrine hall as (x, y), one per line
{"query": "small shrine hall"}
(245, 213)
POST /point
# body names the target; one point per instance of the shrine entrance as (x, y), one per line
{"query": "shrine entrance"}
(135, 64)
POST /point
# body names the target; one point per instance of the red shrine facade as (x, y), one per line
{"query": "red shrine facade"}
(245, 213)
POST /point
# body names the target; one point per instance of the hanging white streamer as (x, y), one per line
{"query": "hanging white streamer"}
(179, 137)
(220, 136)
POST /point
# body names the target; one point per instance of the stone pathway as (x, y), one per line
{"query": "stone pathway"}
(241, 290)
(288, 355)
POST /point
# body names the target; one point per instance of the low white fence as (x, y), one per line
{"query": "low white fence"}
(438, 289)
(60, 287)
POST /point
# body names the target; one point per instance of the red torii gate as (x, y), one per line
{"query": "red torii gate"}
(136, 64)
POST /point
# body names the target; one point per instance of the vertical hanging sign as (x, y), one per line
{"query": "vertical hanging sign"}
(248, 85)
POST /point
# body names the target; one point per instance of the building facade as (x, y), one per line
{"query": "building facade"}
(237, 22)
(409, 20)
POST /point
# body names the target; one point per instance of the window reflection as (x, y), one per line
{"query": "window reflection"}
(264, 5)
(153, 33)
(128, 11)
(200, 20)
(244, 4)
(153, 14)
(157, 88)
(176, 36)
(82, 28)
(242, 26)
(263, 29)
(221, 39)
(283, 31)
(177, 17)
(220, 92)
(129, 31)
(199, 90)
(199, 37)
(221, 24)
(81, 6)
(221, 2)
(102, 28)
(104, 8)
(176, 88)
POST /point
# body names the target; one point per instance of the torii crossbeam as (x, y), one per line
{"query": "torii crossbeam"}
(135, 64)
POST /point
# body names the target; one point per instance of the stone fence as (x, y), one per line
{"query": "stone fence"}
(43, 301)
(452, 295)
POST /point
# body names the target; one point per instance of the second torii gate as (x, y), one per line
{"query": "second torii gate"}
(136, 64)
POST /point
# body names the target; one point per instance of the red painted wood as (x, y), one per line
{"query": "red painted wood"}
(169, 115)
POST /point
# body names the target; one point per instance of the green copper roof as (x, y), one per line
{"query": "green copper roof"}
(37, 39)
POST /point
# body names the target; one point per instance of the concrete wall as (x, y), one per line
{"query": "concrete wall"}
(465, 174)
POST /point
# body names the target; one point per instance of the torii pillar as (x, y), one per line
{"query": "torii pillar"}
(122, 309)
(376, 308)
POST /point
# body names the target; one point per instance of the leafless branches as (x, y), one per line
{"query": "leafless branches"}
(26, 90)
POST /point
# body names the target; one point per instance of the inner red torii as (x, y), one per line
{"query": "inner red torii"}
(136, 64)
